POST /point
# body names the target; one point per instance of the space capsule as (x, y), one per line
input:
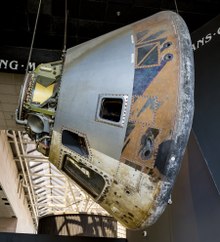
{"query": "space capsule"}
(115, 115)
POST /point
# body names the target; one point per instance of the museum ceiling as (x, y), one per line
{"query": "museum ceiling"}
(88, 19)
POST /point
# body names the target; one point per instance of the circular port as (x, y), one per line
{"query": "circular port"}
(35, 122)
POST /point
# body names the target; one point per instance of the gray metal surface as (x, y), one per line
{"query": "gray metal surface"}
(106, 68)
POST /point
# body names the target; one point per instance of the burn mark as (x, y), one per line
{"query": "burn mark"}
(129, 129)
(143, 37)
(147, 55)
(140, 35)
(154, 175)
(163, 152)
(152, 103)
(144, 76)
(147, 148)
(168, 57)
(148, 62)
(166, 45)
(147, 143)
(154, 36)
(130, 214)
(128, 192)
(133, 165)
(125, 145)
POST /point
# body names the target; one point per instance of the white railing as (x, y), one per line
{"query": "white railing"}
(47, 189)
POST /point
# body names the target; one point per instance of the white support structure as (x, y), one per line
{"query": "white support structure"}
(47, 190)
(16, 194)
(39, 185)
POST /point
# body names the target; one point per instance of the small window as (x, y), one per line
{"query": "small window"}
(75, 142)
(89, 180)
(111, 109)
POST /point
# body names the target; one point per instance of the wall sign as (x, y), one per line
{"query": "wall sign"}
(14, 59)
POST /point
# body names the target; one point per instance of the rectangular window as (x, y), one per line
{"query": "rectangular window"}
(111, 109)
(75, 143)
(89, 180)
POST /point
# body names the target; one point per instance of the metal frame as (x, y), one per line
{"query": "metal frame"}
(124, 99)
(47, 190)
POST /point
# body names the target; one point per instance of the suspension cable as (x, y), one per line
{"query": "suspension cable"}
(65, 30)
(33, 37)
(176, 6)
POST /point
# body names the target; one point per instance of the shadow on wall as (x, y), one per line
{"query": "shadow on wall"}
(195, 212)
(205, 197)
(79, 224)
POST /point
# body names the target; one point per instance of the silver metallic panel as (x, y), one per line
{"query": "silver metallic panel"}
(98, 67)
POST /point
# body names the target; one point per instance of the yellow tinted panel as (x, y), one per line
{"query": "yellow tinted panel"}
(41, 93)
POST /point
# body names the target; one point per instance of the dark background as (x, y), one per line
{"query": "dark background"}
(206, 123)
(10, 237)
(88, 19)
